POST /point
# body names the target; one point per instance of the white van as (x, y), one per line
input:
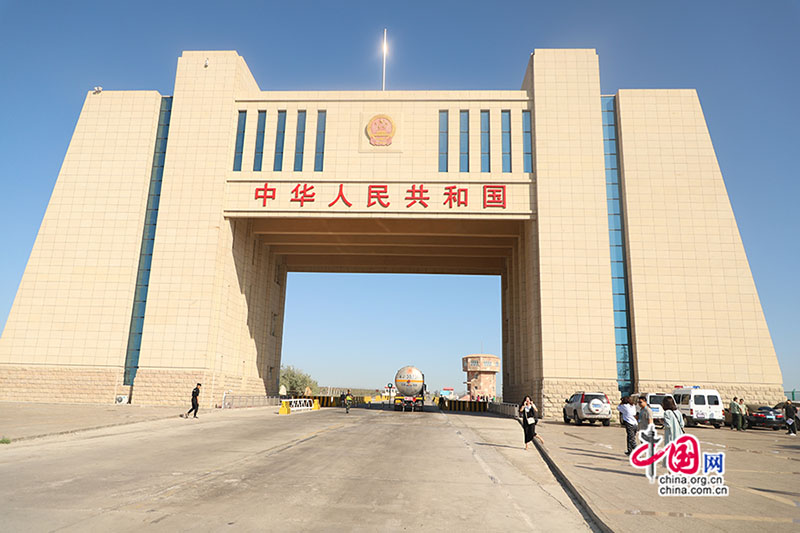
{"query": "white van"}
(699, 406)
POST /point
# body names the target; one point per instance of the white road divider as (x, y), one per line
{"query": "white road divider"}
(298, 405)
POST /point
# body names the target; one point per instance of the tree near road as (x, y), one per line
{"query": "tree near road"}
(295, 380)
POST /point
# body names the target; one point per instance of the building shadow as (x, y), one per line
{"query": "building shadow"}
(609, 470)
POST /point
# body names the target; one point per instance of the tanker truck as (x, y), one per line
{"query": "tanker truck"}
(410, 383)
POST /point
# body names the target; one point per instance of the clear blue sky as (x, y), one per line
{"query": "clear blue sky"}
(742, 57)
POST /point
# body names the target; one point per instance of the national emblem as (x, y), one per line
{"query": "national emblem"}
(380, 130)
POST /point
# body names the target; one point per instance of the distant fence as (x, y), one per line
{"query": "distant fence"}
(237, 401)
(790, 394)
(463, 406)
(505, 409)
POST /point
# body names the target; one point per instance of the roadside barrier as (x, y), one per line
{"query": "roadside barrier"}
(237, 401)
(464, 406)
(297, 405)
(510, 410)
(335, 401)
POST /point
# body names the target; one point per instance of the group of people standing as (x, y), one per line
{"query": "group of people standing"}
(738, 412)
(633, 421)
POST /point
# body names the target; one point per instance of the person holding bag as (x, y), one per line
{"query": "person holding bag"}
(528, 417)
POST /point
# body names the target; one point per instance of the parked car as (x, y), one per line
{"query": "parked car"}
(654, 400)
(591, 406)
(760, 416)
(699, 406)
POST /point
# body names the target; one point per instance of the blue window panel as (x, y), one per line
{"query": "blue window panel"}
(145, 262)
(616, 253)
(614, 222)
(280, 134)
(607, 103)
(621, 335)
(261, 126)
(609, 118)
(620, 319)
(147, 247)
(612, 190)
(620, 303)
(612, 176)
(623, 353)
(505, 123)
(463, 144)
(144, 276)
(611, 161)
(615, 237)
(443, 130)
(613, 206)
(300, 140)
(618, 285)
(138, 309)
(485, 142)
(158, 159)
(150, 216)
(319, 152)
(161, 145)
(527, 142)
(609, 131)
(610, 146)
(135, 341)
(623, 371)
(617, 269)
(153, 202)
(140, 294)
(237, 156)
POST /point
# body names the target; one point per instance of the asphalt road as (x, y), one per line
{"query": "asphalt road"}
(254, 470)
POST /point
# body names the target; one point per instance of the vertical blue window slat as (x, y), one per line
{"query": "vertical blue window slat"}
(300, 141)
(237, 156)
(463, 142)
(280, 135)
(148, 236)
(443, 119)
(262, 122)
(619, 282)
(527, 142)
(505, 123)
(319, 152)
(485, 142)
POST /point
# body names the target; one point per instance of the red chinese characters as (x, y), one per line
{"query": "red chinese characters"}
(454, 195)
(378, 194)
(306, 194)
(265, 193)
(417, 194)
(683, 455)
(341, 197)
(494, 196)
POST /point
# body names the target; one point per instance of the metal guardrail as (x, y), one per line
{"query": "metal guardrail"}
(237, 401)
(297, 404)
(506, 409)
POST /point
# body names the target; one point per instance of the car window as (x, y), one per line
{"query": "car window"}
(684, 399)
(589, 397)
(700, 399)
(713, 400)
(656, 399)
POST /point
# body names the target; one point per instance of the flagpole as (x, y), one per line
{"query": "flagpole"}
(383, 85)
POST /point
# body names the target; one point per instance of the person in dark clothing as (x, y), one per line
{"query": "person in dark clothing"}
(195, 405)
(528, 417)
(790, 413)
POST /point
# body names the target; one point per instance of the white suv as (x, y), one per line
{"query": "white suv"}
(591, 406)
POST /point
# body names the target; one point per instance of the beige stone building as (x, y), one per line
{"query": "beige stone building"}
(482, 370)
(162, 257)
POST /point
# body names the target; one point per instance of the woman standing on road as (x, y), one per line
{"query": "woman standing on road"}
(528, 413)
(673, 421)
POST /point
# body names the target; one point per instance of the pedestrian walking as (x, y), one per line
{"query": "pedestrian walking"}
(733, 408)
(790, 415)
(628, 415)
(743, 412)
(529, 415)
(348, 401)
(645, 413)
(673, 421)
(195, 404)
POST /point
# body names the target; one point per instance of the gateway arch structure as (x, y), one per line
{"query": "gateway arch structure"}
(162, 257)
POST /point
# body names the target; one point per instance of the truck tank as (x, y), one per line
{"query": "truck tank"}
(409, 381)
